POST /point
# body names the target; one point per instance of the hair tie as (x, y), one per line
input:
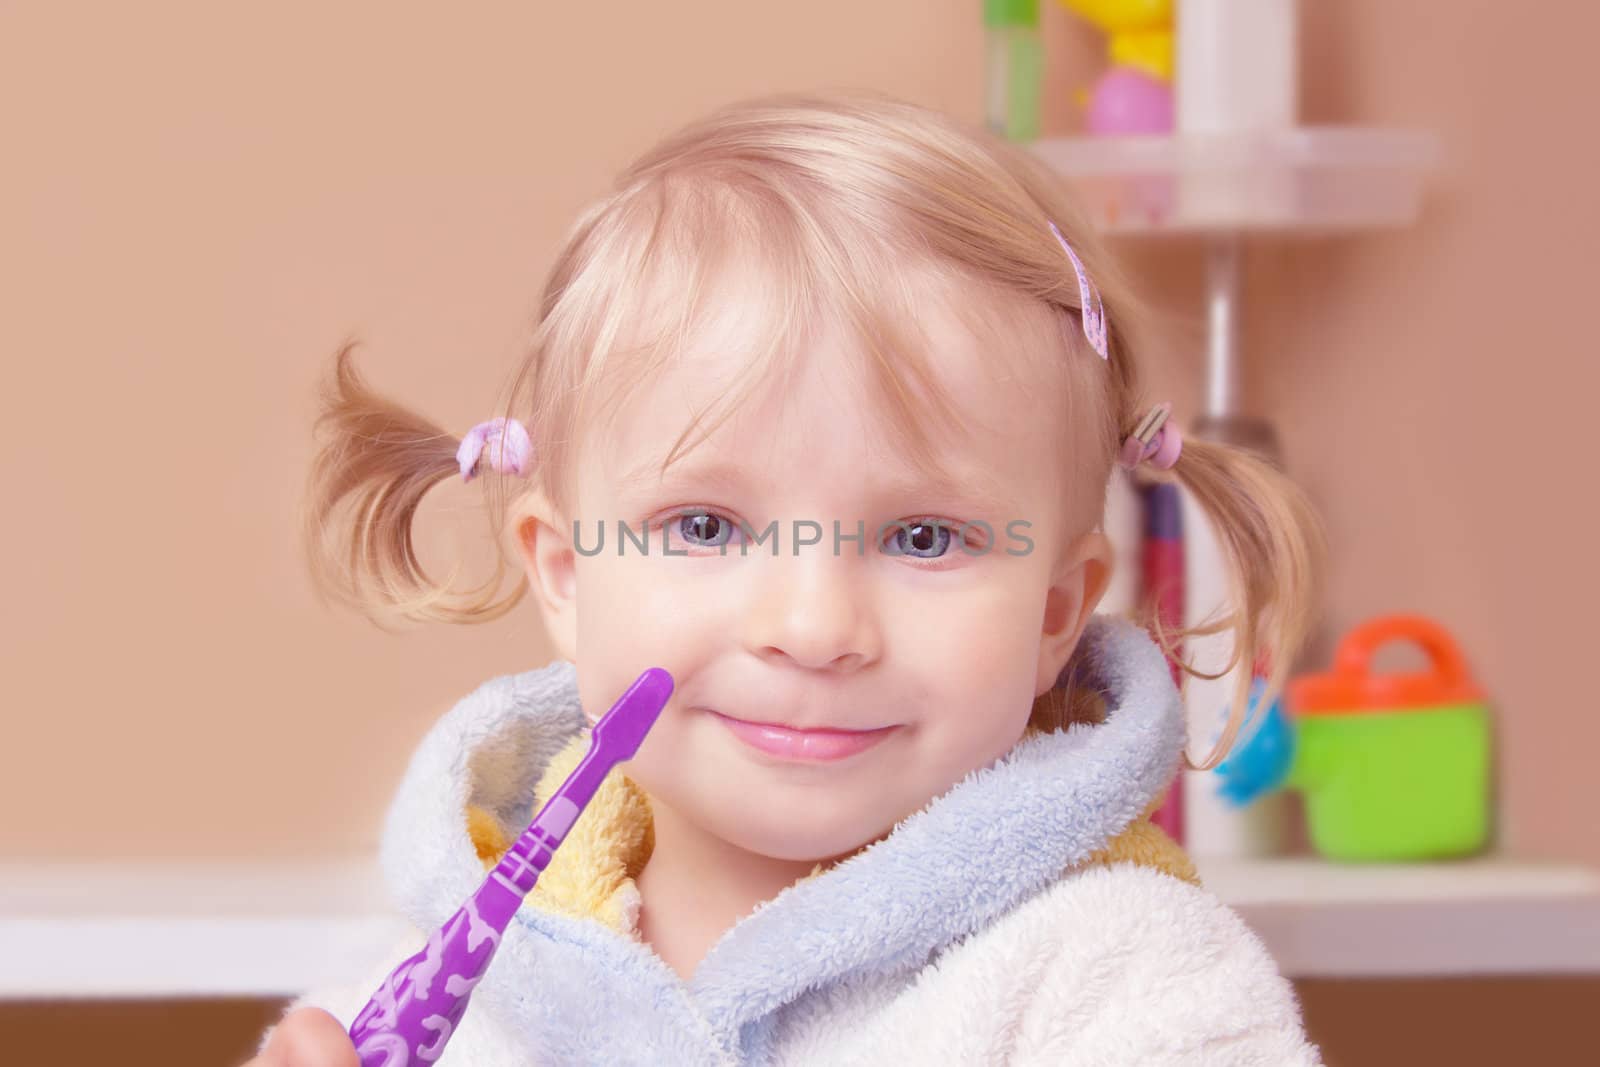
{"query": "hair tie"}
(506, 441)
(1156, 440)
(1092, 312)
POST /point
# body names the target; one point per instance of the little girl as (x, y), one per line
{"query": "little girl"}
(819, 416)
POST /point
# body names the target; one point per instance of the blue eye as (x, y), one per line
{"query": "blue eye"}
(922, 539)
(704, 529)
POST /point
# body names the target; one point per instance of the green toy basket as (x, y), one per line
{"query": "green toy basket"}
(1392, 766)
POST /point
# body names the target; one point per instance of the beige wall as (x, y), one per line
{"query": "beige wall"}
(1434, 385)
(196, 206)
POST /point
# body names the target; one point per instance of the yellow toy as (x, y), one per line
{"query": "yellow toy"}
(1135, 94)
(1138, 32)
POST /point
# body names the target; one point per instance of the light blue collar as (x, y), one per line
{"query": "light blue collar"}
(997, 837)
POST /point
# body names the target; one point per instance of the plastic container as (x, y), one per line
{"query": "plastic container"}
(1214, 826)
(1392, 766)
(1238, 65)
(1013, 67)
(1238, 73)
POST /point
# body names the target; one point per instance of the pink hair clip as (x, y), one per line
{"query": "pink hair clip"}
(506, 441)
(1093, 312)
(1156, 440)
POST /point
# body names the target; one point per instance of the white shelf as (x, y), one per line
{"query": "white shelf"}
(1478, 916)
(182, 930)
(1305, 180)
(169, 931)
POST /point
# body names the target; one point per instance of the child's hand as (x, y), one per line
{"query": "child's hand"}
(308, 1037)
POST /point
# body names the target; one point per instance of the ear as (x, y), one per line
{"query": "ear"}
(1079, 581)
(542, 540)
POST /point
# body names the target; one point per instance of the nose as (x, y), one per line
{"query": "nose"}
(814, 611)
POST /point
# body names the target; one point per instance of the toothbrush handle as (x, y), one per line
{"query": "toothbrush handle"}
(417, 1008)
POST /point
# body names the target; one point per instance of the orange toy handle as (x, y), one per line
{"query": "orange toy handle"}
(1361, 644)
(1352, 687)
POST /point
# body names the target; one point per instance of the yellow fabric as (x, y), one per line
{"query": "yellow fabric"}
(1146, 844)
(489, 838)
(592, 875)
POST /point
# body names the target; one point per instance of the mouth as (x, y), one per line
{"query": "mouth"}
(810, 746)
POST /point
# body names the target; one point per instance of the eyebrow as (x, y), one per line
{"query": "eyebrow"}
(732, 478)
(644, 478)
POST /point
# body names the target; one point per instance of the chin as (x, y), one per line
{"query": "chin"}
(814, 844)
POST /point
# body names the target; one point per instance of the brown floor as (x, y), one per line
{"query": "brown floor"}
(1357, 1023)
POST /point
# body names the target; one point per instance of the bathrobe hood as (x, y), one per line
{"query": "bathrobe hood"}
(571, 976)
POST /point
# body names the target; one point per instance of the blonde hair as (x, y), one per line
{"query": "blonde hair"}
(820, 208)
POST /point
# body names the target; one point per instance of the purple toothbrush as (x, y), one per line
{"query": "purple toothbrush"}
(412, 1015)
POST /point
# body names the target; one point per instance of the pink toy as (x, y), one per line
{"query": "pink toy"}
(1127, 101)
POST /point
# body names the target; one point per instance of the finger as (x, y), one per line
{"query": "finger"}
(309, 1037)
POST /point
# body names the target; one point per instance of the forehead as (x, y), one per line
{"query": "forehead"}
(973, 372)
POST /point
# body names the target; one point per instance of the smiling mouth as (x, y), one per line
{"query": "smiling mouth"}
(817, 745)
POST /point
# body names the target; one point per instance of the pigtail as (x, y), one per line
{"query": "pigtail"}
(1265, 526)
(375, 466)
(1275, 550)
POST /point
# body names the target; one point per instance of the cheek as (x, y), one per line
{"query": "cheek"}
(984, 661)
(975, 634)
(634, 614)
(628, 616)
(618, 631)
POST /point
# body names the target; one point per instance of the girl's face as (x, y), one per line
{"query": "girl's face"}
(941, 647)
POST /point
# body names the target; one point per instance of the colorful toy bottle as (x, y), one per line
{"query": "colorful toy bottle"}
(1013, 67)
(1392, 766)
(1161, 559)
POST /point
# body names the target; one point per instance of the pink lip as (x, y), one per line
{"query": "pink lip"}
(810, 745)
